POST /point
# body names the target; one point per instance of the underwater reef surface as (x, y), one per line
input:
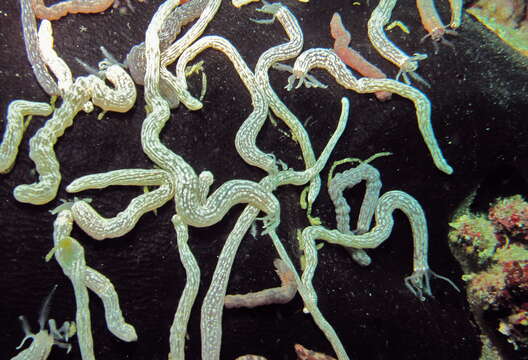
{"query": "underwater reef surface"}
(492, 249)
(506, 18)
(479, 104)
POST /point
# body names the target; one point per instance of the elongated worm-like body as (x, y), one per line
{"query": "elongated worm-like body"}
(277, 295)
(328, 60)
(121, 99)
(29, 29)
(15, 128)
(65, 7)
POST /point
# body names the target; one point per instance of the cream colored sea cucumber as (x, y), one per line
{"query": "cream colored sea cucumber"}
(386, 48)
(328, 60)
(240, 3)
(178, 330)
(181, 16)
(15, 127)
(348, 179)
(277, 295)
(175, 49)
(122, 177)
(246, 137)
(418, 281)
(43, 341)
(309, 301)
(213, 304)
(192, 210)
(59, 68)
(171, 53)
(70, 256)
(104, 289)
(398, 24)
(120, 99)
(457, 7)
(270, 58)
(29, 29)
(98, 227)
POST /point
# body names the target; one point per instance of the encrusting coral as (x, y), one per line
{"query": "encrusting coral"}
(493, 251)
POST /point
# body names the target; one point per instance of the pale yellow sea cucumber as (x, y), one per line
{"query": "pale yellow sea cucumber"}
(347, 179)
(173, 51)
(309, 301)
(418, 282)
(39, 349)
(181, 16)
(15, 128)
(135, 59)
(123, 177)
(104, 289)
(240, 3)
(120, 99)
(213, 304)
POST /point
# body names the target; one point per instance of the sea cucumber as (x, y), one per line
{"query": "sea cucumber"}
(352, 58)
(15, 128)
(328, 60)
(58, 67)
(63, 8)
(179, 17)
(277, 295)
(433, 24)
(121, 99)
(386, 48)
(29, 29)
